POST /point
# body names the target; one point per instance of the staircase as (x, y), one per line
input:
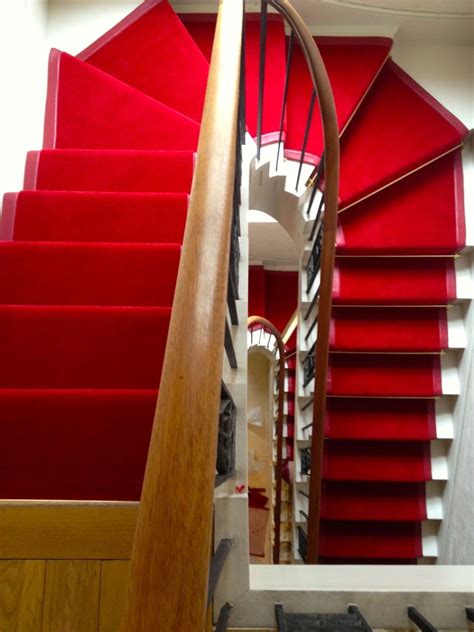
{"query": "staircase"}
(397, 302)
(91, 250)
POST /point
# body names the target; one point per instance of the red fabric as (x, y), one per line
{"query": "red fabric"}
(152, 51)
(88, 109)
(82, 347)
(373, 540)
(378, 375)
(202, 26)
(35, 273)
(379, 418)
(421, 214)
(82, 444)
(373, 501)
(395, 281)
(389, 329)
(257, 291)
(402, 461)
(109, 170)
(95, 217)
(398, 128)
(281, 296)
(352, 63)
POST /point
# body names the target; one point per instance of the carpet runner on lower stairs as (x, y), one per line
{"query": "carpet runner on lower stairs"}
(152, 171)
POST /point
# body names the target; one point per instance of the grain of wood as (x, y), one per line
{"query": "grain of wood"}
(113, 587)
(21, 595)
(172, 547)
(71, 596)
(52, 530)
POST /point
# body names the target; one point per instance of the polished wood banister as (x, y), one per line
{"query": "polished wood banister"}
(270, 327)
(172, 546)
(331, 185)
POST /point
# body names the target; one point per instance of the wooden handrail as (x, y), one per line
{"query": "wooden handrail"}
(259, 320)
(327, 108)
(172, 546)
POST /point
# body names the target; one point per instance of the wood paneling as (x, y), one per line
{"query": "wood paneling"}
(21, 595)
(113, 587)
(71, 596)
(53, 530)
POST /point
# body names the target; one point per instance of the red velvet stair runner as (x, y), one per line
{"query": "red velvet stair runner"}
(152, 51)
(352, 64)
(109, 170)
(89, 109)
(421, 214)
(201, 27)
(394, 277)
(389, 137)
(89, 257)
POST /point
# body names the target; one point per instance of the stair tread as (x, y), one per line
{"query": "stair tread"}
(421, 214)
(369, 500)
(97, 439)
(371, 540)
(89, 109)
(38, 273)
(395, 281)
(393, 137)
(389, 329)
(109, 170)
(82, 347)
(380, 418)
(149, 50)
(352, 63)
(403, 461)
(384, 375)
(72, 216)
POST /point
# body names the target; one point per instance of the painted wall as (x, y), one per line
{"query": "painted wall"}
(447, 72)
(23, 74)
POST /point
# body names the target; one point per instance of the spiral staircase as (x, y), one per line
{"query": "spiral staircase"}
(91, 248)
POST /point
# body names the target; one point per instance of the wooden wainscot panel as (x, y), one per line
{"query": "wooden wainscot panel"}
(66, 530)
(71, 596)
(113, 587)
(21, 595)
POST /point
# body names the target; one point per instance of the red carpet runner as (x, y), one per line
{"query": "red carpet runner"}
(90, 251)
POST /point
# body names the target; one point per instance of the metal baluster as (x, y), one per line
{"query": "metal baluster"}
(315, 183)
(313, 303)
(306, 135)
(261, 81)
(316, 219)
(229, 347)
(420, 621)
(285, 93)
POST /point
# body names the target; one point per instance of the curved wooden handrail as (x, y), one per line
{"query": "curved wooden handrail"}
(327, 108)
(259, 320)
(172, 547)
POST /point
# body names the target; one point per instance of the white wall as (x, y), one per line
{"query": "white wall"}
(23, 59)
(446, 72)
(75, 24)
